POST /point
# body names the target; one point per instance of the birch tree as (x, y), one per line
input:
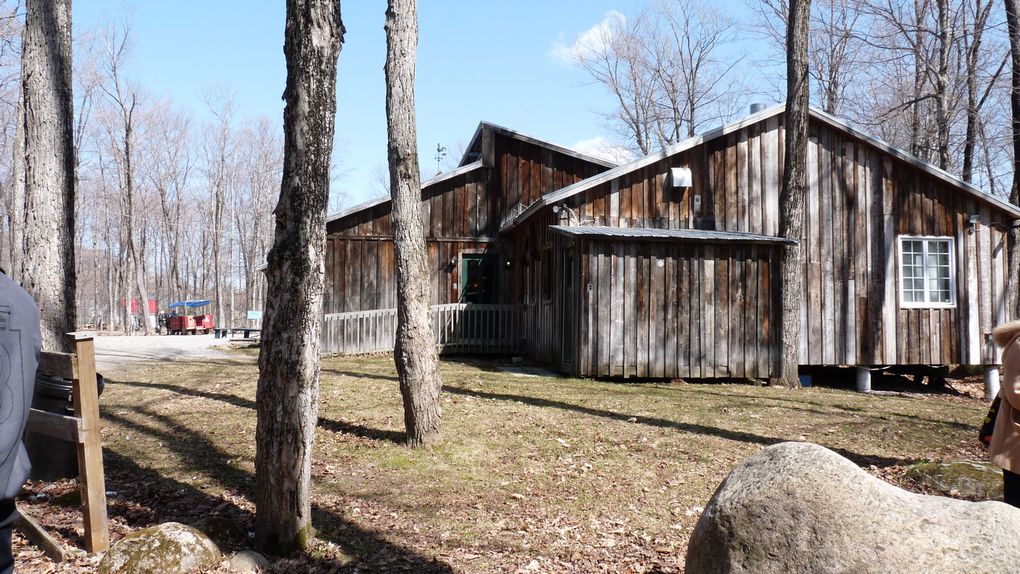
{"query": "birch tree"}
(415, 350)
(48, 271)
(288, 389)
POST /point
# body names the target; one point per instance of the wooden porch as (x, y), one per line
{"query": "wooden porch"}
(459, 328)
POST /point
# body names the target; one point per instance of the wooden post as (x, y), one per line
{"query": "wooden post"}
(90, 448)
(863, 380)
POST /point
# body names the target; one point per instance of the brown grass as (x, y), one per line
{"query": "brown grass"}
(535, 473)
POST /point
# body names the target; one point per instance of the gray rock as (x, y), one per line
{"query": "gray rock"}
(248, 562)
(970, 480)
(169, 548)
(798, 507)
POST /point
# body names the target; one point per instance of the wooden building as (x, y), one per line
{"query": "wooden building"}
(666, 266)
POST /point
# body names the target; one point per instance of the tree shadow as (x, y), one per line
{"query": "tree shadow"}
(357, 375)
(234, 400)
(175, 500)
(694, 428)
(849, 409)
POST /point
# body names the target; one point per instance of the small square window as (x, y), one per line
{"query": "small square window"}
(927, 272)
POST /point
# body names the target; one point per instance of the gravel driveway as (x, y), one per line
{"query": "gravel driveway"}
(114, 350)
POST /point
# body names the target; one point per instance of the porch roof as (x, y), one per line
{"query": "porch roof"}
(647, 233)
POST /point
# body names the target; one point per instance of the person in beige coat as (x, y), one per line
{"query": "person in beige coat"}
(1005, 446)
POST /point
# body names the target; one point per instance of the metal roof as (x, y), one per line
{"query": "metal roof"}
(386, 198)
(607, 176)
(532, 140)
(703, 235)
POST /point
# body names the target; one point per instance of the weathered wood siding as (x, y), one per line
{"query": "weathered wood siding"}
(526, 171)
(668, 310)
(463, 215)
(860, 201)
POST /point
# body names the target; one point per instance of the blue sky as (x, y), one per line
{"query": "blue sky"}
(476, 61)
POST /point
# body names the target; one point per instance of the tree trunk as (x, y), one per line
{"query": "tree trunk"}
(791, 197)
(941, 83)
(415, 349)
(18, 194)
(288, 387)
(48, 266)
(1013, 239)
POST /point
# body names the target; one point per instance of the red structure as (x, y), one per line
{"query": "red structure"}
(188, 324)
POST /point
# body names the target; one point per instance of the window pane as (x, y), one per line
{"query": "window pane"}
(925, 271)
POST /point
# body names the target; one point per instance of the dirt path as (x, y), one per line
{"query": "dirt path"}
(112, 351)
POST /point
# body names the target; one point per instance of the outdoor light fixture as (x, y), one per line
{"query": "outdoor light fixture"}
(972, 222)
(681, 176)
(570, 213)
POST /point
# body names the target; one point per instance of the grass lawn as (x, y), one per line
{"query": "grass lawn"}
(539, 474)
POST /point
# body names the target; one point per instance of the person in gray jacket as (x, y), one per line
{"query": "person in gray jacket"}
(20, 344)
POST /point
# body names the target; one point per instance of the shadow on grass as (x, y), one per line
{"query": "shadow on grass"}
(184, 502)
(848, 409)
(357, 375)
(325, 424)
(728, 434)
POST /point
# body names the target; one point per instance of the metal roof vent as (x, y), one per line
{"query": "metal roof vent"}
(681, 176)
(755, 108)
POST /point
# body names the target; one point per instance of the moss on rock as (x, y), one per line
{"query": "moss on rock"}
(170, 548)
(969, 480)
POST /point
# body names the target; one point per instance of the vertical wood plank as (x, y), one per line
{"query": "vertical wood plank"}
(707, 335)
(85, 397)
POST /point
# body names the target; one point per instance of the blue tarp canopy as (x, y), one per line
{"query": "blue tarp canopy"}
(196, 303)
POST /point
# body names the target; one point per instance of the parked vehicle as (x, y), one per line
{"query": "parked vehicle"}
(184, 318)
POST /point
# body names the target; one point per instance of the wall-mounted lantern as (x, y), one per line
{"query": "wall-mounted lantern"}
(681, 176)
(972, 222)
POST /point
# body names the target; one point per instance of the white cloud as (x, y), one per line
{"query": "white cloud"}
(590, 41)
(602, 148)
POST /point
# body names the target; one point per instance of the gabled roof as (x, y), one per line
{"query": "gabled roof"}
(606, 176)
(474, 146)
(386, 198)
(472, 153)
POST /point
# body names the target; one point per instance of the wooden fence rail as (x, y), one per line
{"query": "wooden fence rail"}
(459, 328)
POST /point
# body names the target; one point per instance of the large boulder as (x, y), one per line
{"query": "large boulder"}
(170, 548)
(798, 507)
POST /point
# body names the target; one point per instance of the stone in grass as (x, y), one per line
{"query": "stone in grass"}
(798, 507)
(970, 480)
(248, 562)
(170, 548)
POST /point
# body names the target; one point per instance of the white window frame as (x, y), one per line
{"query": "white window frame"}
(952, 272)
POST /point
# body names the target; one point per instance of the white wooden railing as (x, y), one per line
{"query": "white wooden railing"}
(459, 328)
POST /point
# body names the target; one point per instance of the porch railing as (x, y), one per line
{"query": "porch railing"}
(459, 328)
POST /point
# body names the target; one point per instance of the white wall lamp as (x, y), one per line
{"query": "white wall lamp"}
(681, 176)
(570, 212)
(972, 222)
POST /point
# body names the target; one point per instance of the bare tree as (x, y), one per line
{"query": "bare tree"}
(121, 122)
(614, 57)
(669, 69)
(288, 387)
(1013, 240)
(693, 86)
(791, 196)
(48, 267)
(170, 175)
(415, 350)
(219, 162)
(260, 168)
